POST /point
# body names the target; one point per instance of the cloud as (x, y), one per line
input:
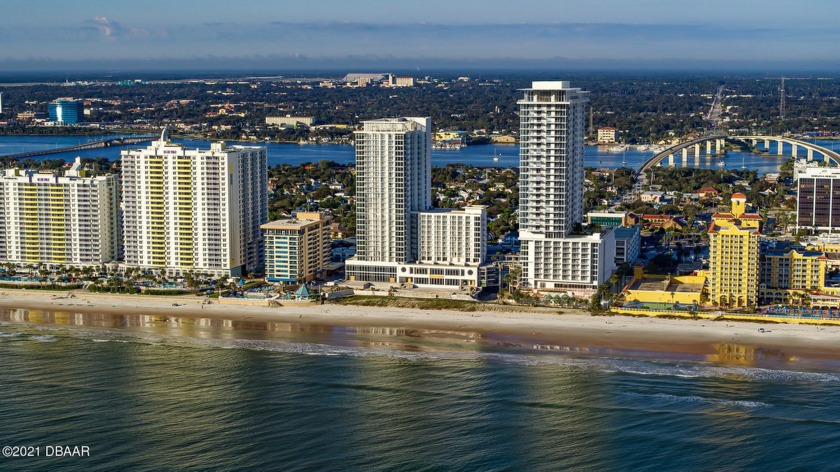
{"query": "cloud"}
(109, 29)
(104, 38)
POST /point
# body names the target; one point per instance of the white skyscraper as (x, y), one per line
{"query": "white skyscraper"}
(554, 256)
(194, 210)
(393, 178)
(399, 238)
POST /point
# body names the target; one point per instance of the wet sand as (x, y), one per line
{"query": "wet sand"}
(542, 330)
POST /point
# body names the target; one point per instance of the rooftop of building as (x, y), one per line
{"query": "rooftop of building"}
(622, 232)
(74, 173)
(163, 142)
(665, 285)
(551, 85)
(466, 209)
(410, 123)
(607, 214)
(301, 220)
(716, 226)
(826, 172)
(790, 246)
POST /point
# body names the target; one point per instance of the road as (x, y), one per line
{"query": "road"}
(717, 109)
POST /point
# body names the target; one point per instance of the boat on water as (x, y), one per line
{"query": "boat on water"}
(721, 163)
(643, 148)
(448, 146)
(617, 148)
(656, 149)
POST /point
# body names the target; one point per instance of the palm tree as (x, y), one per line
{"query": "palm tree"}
(513, 277)
(614, 280)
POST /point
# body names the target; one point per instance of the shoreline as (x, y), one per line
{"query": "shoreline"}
(523, 329)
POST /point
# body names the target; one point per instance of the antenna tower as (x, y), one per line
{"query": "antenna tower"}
(782, 103)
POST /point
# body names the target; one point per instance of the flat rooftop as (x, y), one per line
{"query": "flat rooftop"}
(289, 223)
(658, 285)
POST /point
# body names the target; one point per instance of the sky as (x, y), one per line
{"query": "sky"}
(278, 34)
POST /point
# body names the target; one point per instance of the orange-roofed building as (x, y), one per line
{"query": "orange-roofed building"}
(708, 192)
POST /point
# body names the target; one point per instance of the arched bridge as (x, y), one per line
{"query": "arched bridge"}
(714, 146)
(828, 155)
(683, 148)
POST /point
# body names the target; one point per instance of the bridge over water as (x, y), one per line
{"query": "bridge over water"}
(121, 141)
(713, 145)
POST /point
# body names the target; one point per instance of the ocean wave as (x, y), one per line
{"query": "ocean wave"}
(9, 335)
(669, 399)
(44, 338)
(556, 360)
(701, 370)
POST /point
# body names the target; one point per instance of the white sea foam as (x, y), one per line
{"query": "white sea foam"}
(666, 398)
(44, 338)
(9, 335)
(701, 370)
(601, 364)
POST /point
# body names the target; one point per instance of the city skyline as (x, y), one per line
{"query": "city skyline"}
(262, 35)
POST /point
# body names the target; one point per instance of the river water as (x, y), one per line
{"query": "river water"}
(286, 153)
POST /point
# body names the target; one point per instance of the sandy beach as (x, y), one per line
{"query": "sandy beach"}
(572, 327)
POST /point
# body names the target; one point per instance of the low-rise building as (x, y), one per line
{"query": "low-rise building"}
(288, 120)
(708, 192)
(652, 221)
(664, 291)
(609, 219)
(607, 135)
(297, 249)
(652, 197)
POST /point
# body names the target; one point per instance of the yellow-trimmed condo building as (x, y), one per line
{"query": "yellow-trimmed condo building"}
(191, 210)
(790, 274)
(55, 220)
(733, 260)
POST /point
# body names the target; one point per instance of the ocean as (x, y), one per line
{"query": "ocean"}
(286, 153)
(174, 394)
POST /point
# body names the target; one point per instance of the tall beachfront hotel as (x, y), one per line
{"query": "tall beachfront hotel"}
(190, 210)
(400, 238)
(52, 219)
(556, 255)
